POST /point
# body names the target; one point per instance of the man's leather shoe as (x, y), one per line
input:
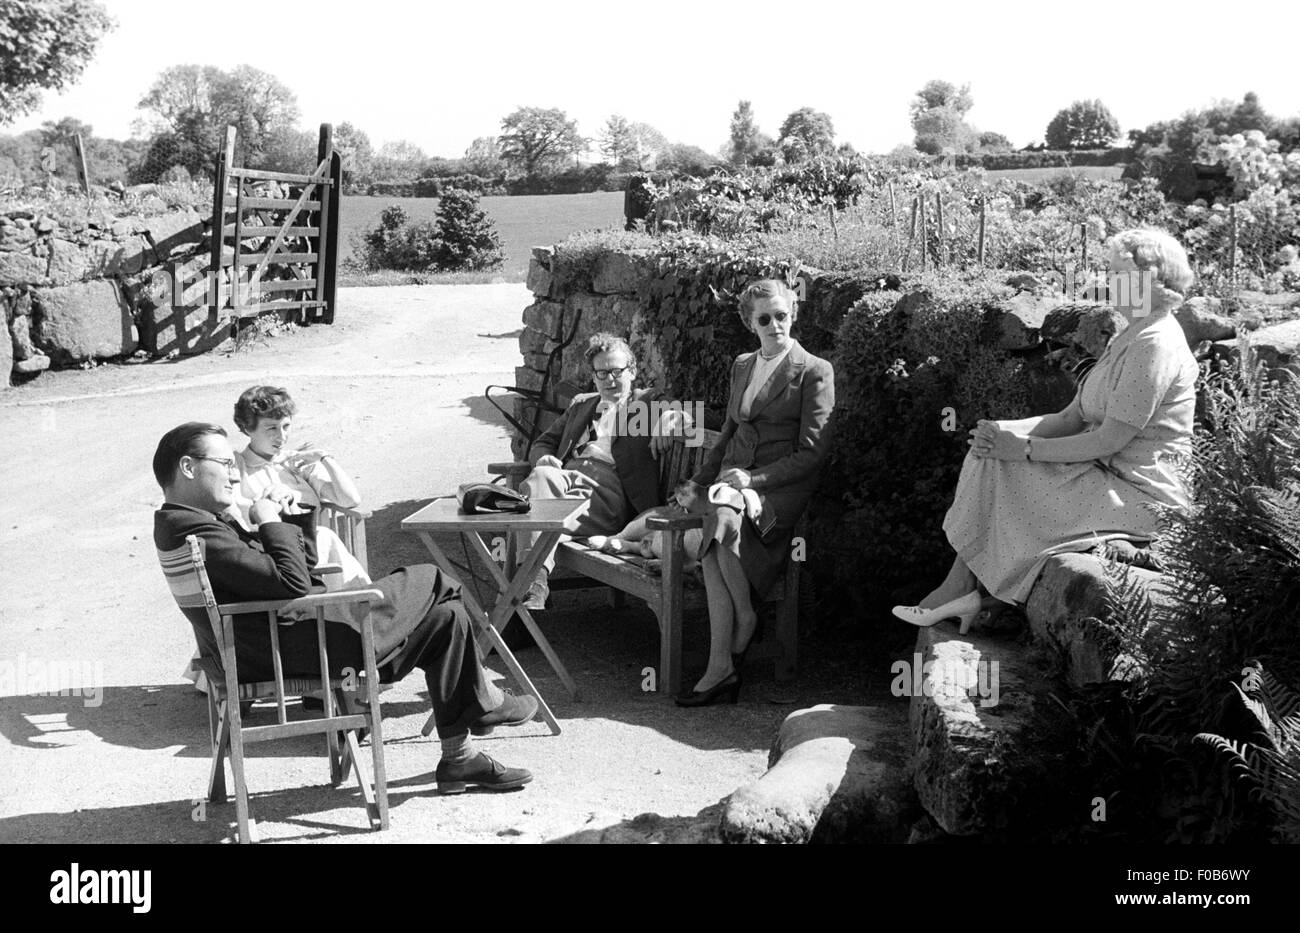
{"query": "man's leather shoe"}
(538, 592)
(513, 711)
(481, 771)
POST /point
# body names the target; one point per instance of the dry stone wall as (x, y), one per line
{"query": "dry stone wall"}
(83, 284)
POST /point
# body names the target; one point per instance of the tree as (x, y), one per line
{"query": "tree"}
(534, 138)
(1085, 124)
(1250, 115)
(685, 158)
(994, 142)
(467, 236)
(44, 46)
(196, 102)
(806, 134)
(399, 161)
(648, 146)
(356, 154)
(483, 157)
(745, 135)
(616, 142)
(938, 114)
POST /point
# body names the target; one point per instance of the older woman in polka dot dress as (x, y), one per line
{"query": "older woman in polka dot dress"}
(1091, 472)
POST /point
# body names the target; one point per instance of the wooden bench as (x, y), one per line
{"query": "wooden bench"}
(664, 584)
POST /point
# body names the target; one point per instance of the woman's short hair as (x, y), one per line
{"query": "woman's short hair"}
(262, 402)
(608, 343)
(1156, 250)
(180, 441)
(765, 288)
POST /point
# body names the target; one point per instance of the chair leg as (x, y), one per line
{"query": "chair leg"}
(376, 748)
(787, 627)
(219, 733)
(237, 770)
(617, 598)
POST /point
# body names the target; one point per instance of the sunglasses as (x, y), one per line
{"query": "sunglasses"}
(765, 319)
(615, 373)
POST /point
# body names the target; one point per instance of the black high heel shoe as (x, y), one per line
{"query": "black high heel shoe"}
(728, 688)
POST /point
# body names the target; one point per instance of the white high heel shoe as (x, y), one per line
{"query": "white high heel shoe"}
(965, 608)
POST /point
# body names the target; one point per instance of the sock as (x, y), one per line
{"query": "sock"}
(456, 749)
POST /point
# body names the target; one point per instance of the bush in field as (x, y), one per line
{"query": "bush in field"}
(467, 237)
(462, 238)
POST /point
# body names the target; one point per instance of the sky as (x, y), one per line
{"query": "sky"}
(440, 74)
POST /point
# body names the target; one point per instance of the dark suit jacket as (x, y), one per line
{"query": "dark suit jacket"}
(637, 469)
(272, 563)
(784, 440)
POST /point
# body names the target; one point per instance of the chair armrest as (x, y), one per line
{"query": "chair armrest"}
(316, 600)
(678, 523)
(327, 568)
(358, 513)
(511, 468)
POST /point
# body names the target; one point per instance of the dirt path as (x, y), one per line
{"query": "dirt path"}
(394, 389)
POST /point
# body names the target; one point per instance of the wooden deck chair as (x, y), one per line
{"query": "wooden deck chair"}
(350, 526)
(187, 578)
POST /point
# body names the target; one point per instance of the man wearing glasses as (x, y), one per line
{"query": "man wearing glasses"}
(420, 622)
(596, 451)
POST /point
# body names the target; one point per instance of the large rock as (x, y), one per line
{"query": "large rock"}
(1068, 611)
(1277, 346)
(6, 357)
(1016, 322)
(68, 263)
(82, 322)
(1086, 325)
(1202, 319)
(617, 273)
(20, 328)
(539, 279)
(836, 774)
(973, 700)
(23, 267)
(544, 316)
(168, 231)
(14, 237)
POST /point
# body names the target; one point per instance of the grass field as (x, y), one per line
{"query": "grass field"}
(1031, 175)
(522, 222)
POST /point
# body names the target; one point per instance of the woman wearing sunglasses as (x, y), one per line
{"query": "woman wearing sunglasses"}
(758, 479)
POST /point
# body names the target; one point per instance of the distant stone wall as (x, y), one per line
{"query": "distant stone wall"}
(80, 284)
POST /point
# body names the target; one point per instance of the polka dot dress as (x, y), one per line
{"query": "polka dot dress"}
(1009, 516)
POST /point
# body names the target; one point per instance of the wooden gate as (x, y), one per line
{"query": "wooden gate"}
(277, 234)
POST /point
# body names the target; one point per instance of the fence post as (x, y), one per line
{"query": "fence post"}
(911, 235)
(925, 236)
(1083, 230)
(82, 175)
(980, 250)
(893, 217)
(1232, 244)
(938, 220)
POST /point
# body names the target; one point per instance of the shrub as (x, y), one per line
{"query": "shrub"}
(398, 244)
(467, 236)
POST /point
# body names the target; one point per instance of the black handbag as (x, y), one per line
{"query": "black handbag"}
(478, 498)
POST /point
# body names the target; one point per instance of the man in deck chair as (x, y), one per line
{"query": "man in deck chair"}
(421, 622)
(600, 450)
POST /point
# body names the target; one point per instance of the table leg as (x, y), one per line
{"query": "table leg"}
(482, 621)
(512, 590)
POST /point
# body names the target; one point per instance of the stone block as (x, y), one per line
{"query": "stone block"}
(544, 255)
(539, 279)
(544, 316)
(534, 341)
(23, 267)
(972, 700)
(836, 774)
(1067, 611)
(20, 335)
(526, 378)
(1202, 319)
(14, 237)
(167, 231)
(37, 364)
(1021, 320)
(617, 273)
(82, 322)
(1277, 346)
(6, 360)
(68, 263)
(1087, 325)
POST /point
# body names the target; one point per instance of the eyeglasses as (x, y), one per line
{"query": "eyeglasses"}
(765, 319)
(611, 373)
(228, 464)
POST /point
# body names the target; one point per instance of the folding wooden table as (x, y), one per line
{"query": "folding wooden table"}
(549, 519)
